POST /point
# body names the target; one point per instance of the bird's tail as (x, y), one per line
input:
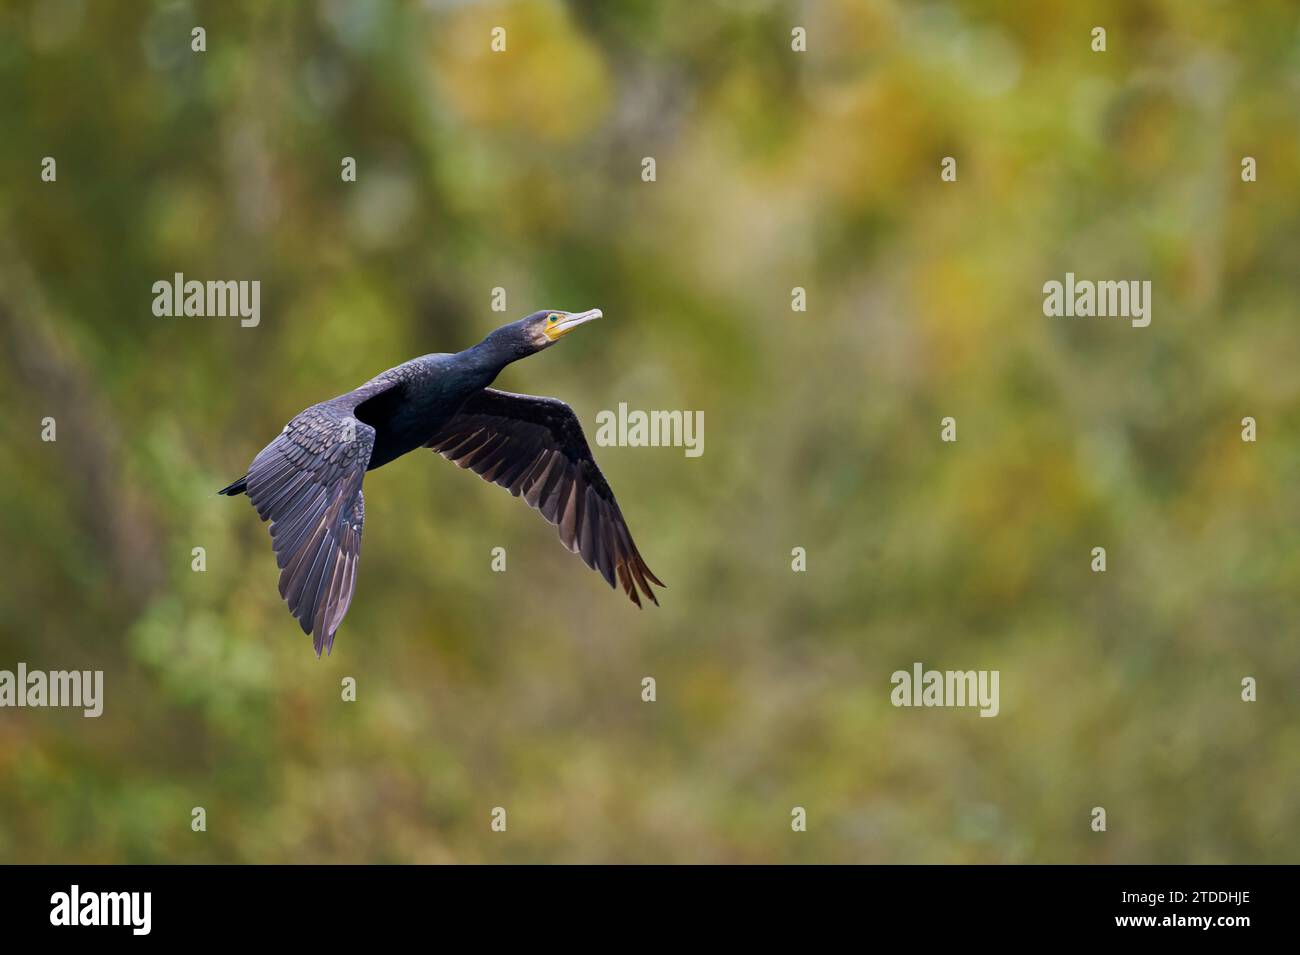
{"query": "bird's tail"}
(235, 487)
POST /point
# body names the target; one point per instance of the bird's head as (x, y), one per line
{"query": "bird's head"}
(543, 329)
(531, 334)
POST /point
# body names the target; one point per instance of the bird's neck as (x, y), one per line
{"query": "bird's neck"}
(488, 357)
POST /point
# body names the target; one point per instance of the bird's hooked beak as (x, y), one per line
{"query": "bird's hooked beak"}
(566, 322)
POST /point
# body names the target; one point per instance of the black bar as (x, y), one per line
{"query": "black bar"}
(334, 904)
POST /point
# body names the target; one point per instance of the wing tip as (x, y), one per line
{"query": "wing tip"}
(631, 576)
(323, 642)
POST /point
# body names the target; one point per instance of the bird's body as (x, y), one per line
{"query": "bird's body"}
(432, 389)
(307, 482)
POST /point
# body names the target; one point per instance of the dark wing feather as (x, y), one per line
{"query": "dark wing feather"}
(307, 483)
(535, 447)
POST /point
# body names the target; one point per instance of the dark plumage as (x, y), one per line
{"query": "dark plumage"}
(307, 482)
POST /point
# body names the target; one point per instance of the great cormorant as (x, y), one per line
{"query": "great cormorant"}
(307, 482)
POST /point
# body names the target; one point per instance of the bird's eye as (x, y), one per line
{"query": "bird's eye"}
(552, 318)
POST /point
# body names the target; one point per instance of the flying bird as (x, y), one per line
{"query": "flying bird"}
(307, 482)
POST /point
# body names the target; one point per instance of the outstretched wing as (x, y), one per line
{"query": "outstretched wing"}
(535, 447)
(307, 483)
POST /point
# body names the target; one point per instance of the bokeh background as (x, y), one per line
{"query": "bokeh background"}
(775, 169)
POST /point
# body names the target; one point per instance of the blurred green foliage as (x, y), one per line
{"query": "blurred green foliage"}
(775, 170)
